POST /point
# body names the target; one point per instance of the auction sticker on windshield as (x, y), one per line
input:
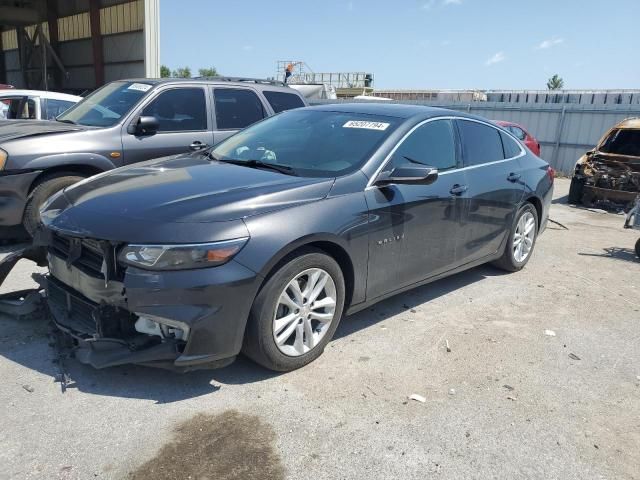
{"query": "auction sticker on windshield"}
(366, 124)
(142, 87)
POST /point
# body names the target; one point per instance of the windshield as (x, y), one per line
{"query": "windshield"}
(106, 106)
(311, 143)
(622, 142)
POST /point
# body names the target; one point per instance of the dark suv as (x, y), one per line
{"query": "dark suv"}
(124, 122)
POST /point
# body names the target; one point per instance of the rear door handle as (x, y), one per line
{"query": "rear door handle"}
(458, 189)
(197, 145)
(514, 177)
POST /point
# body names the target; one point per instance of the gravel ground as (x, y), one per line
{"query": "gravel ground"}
(507, 402)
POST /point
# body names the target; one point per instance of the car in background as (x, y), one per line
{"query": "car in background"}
(262, 242)
(609, 175)
(522, 135)
(4, 86)
(124, 122)
(34, 104)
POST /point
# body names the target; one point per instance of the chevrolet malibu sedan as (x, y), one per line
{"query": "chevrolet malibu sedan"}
(261, 244)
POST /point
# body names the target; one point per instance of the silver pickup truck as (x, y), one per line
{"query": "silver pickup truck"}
(124, 122)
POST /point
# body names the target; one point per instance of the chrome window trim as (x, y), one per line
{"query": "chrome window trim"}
(371, 181)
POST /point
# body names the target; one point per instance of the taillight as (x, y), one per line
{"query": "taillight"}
(551, 173)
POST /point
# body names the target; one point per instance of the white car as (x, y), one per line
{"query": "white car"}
(34, 104)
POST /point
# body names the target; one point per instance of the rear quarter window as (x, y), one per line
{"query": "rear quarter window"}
(511, 148)
(281, 101)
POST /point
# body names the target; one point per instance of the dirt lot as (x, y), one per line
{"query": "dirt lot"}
(507, 402)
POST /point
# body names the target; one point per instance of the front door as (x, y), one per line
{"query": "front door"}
(414, 229)
(184, 125)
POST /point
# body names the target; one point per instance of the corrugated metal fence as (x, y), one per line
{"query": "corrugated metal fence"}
(565, 131)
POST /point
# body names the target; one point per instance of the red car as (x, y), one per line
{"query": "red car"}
(524, 136)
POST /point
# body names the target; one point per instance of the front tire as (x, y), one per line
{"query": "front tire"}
(638, 248)
(43, 190)
(522, 239)
(296, 312)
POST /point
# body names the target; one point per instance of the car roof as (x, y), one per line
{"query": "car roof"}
(228, 81)
(393, 110)
(631, 123)
(13, 92)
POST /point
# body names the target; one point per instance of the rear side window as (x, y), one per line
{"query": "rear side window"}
(281, 101)
(180, 109)
(511, 148)
(237, 108)
(481, 143)
(51, 108)
(19, 108)
(431, 144)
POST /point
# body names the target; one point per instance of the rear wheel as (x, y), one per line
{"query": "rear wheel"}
(575, 191)
(296, 313)
(638, 248)
(45, 188)
(521, 241)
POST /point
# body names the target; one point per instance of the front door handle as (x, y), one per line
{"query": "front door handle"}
(197, 145)
(458, 189)
(514, 177)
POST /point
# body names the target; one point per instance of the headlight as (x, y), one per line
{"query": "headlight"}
(3, 158)
(181, 257)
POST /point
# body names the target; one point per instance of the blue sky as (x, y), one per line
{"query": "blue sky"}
(454, 44)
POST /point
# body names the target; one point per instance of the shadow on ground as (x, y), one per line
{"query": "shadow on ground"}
(25, 342)
(626, 254)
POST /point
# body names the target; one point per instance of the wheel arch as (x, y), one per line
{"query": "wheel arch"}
(72, 169)
(537, 203)
(331, 245)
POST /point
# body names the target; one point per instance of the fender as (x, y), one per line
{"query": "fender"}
(58, 160)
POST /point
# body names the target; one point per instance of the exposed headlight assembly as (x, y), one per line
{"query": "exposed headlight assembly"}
(181, 257)
(3, 158)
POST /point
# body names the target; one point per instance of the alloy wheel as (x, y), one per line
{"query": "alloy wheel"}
(524, 236)
(304, 312)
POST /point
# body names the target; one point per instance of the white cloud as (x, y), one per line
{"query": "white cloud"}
(452, 2)
(551, 42)
(496, 58)
(428, 5)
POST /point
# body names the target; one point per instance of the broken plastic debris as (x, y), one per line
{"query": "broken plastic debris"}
(447, 344)
(452, 391)
(417, 398)
(28, 388)
(550, 333)
(573, 356)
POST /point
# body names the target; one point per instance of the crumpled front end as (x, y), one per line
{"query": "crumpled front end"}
(118, 314)
(607, 182)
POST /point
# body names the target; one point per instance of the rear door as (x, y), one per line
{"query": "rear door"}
(234, 109)
(184, 124)
(495, 187)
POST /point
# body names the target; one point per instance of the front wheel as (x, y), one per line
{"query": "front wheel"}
(638, 248)
(296, 312)
(522, 239)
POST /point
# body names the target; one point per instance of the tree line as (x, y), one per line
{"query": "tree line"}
(185, 72)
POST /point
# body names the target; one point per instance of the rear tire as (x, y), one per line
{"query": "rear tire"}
(268, 317)
(45, 188)
(638, 248)
(521, 236)
(575, 191)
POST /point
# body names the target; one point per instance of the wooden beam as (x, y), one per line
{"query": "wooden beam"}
(96, 41)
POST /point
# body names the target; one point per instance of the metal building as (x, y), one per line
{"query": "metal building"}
(77, 45)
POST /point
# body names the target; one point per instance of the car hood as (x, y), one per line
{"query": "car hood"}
(182, 189)
(15, 129)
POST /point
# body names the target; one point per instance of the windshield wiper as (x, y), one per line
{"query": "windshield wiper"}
(66, 121)
(258, 164)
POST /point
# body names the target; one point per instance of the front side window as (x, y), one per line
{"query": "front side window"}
(480, 143)
(51, 107)
(107, 105)
(312, 143)
(179, 109)
(236, 108)
(281, 101)
(432, 144)
(622, 142)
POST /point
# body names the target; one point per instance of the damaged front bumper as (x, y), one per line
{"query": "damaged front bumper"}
(119, 315)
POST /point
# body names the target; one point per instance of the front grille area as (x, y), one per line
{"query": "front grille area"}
(86, 254)
(70, 309)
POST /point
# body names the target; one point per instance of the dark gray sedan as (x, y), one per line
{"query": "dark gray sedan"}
(261, 244)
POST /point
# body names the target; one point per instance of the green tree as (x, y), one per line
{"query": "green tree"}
(165, 71)
(182, 72)
(208, 72)
(555, 83)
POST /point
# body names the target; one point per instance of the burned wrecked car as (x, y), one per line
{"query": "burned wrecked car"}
(260, 244)
(609, 176)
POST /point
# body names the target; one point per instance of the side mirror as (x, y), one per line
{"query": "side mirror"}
(147, 125)
(409, 175)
